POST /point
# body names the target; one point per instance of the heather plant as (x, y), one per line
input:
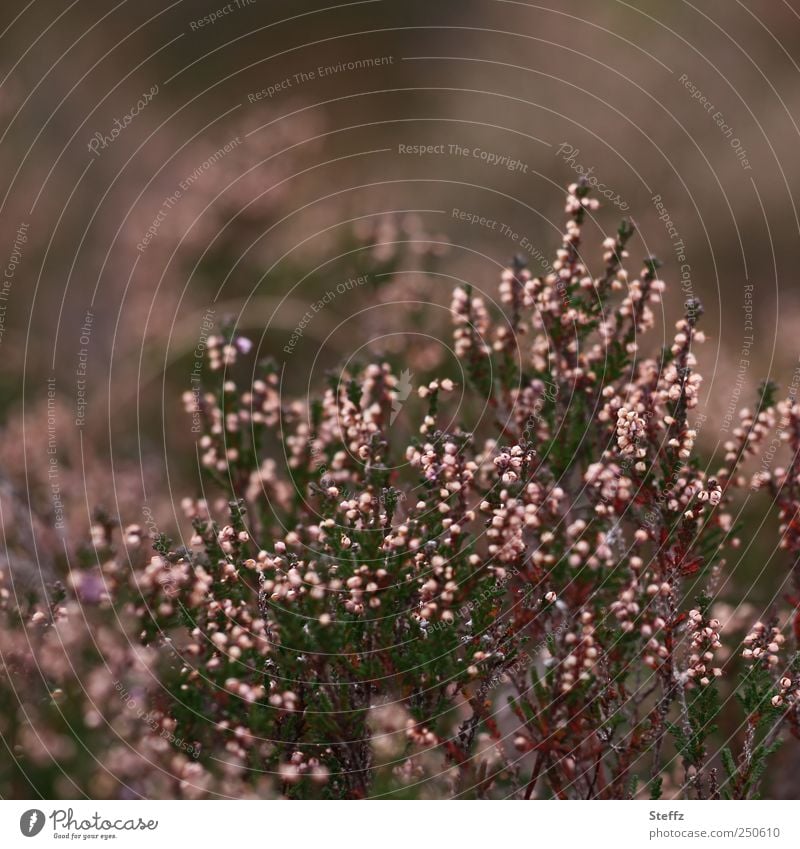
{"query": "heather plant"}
(517, 597)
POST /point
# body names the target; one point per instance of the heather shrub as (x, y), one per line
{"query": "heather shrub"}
(519, 596)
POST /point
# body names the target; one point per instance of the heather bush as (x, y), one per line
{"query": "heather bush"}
(519, 596)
